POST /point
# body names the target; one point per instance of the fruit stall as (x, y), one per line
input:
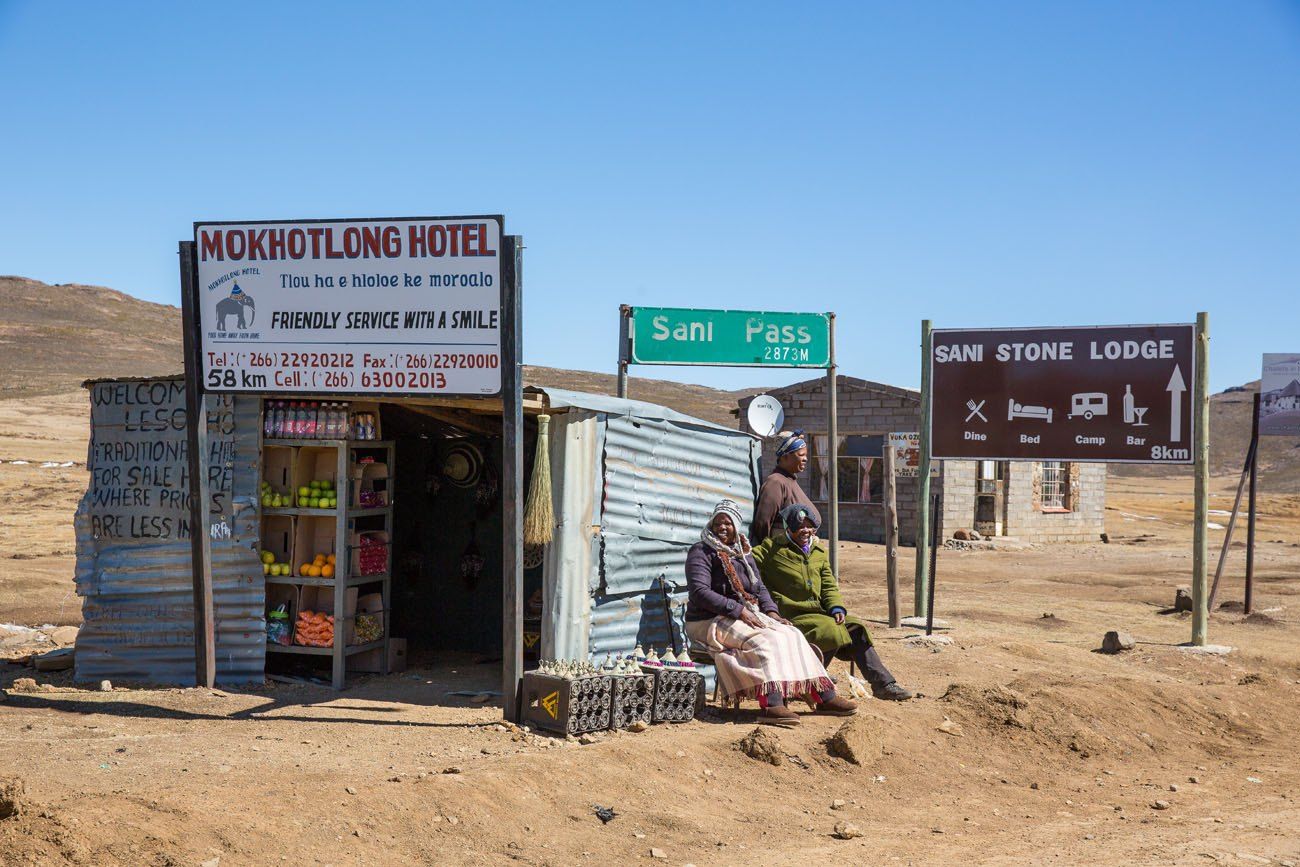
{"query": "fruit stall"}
(344, 531)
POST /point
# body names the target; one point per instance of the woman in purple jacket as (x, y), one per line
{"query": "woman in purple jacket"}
(757, 653)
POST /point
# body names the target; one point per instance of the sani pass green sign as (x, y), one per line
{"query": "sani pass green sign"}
(732, 338)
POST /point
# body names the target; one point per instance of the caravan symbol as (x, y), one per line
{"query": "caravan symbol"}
(1088, 404)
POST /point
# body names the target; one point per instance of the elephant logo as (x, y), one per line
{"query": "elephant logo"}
(234, 305)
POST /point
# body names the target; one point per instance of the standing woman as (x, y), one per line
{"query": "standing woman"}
(781, 488)
(757, 653)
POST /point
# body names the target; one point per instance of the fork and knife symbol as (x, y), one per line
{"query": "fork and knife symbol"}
(975, 410)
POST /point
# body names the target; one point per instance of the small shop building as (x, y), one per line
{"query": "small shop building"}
(347, 534)
(1040, 501)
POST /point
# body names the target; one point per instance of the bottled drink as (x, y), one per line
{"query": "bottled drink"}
(313, 421)
(268, 416)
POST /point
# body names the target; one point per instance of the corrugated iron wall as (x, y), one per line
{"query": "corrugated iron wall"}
(661, 481)
(133, 543)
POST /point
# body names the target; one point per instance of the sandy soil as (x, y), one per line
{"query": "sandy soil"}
(1053, 752)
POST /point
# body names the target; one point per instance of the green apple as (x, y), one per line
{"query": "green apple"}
(266, 501)
(304, 491)
(266, 569)
(268, 557)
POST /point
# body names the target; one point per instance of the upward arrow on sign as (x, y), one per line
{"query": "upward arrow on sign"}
(1176, 388)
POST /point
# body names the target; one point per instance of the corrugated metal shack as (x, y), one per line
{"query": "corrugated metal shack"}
(633, 483)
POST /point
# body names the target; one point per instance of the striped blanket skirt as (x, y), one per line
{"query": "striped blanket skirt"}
(753, 662)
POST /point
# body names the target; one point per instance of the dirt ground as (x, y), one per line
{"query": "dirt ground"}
(1051, 753)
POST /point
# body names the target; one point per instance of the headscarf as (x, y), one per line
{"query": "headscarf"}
(792, 518)
(728, 554)
(790, 442)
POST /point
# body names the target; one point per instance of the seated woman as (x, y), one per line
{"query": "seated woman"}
(797, 570)
(757, 653)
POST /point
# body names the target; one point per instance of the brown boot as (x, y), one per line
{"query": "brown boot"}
(779, 716)
(838, 706)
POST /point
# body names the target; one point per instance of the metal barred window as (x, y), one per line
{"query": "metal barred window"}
(1055, 478)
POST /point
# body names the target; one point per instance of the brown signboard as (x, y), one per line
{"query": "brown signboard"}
(1110, 394)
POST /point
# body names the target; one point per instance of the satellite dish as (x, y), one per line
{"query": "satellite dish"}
(765, 415)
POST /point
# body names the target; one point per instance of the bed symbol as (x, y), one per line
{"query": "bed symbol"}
(1089, 404)
(1036, 413)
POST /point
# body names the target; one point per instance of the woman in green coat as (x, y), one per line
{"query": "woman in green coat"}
(797, 571)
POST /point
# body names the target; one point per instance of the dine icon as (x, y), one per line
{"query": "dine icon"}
(1036, 413)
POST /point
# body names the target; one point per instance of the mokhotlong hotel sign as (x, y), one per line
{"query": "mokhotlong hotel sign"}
(383, 306)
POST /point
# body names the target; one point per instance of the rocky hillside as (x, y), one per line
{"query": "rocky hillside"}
(54, 337)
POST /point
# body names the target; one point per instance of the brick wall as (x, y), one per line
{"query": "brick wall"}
(1085, 499)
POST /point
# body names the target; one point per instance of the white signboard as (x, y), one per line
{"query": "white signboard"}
(1279, 395)
(409, 306)
(907, 455)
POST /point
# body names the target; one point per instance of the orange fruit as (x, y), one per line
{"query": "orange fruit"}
(313, 571)
(302, 570)
(331, 559)
(319, 560)
(327, 571)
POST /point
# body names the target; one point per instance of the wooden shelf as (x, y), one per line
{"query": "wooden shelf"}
(313, 457)
(325, 651)
(308, 513)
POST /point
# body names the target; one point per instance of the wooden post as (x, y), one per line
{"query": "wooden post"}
(934, 564)
(1250, 508)
(1200, 519)
(196, 428)
(923, 478)
(833, 449)
(512, 474)
(891, 534)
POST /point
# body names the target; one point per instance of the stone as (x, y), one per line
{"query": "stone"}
(24, 684)
(962, 535)
(1183, 598)
(1117, 642)
(860, 741)
(762, 745)
(1173, 787)
(350, 790)
(638, 726)
(837, 804)
(847, 830)
(105, 686)
(1160, 805)
(1206, 649)
(588, 739)
(454, 769)
(659, 853)
(63, 635)
(949, 727)
(976, 535)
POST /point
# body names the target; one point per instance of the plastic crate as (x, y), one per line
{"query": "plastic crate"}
(566, 706)
(678, 693)
(634, 697)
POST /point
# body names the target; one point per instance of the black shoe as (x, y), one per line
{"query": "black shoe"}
(891, 692)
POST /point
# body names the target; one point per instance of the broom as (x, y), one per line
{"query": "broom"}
(539, 514)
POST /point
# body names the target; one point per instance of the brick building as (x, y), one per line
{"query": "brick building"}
(1031, 501)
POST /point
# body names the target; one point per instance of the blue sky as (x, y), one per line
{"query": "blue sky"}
(974, 163)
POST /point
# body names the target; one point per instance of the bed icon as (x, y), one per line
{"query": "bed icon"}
(1019, 410)
(1088, 404)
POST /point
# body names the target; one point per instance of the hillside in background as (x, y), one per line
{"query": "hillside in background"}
(54, 337)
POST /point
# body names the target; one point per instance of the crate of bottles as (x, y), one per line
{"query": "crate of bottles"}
(633, 700)
(678, 693)
(567, 705)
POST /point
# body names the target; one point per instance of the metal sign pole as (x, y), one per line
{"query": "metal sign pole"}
(833, 438)
(512, 473)
(1200, 529)
(196, 428)
(923, 477)
(624, 311)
